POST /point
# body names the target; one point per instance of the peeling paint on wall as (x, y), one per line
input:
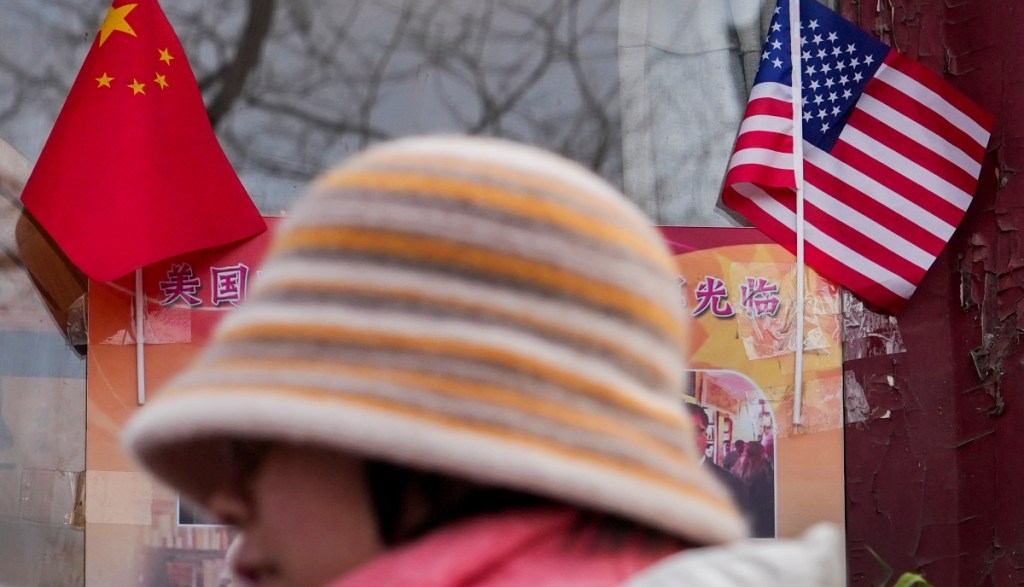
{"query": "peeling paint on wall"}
(992, 288)
(867, 333)
(857, 408)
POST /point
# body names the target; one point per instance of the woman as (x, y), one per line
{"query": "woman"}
(458, 367)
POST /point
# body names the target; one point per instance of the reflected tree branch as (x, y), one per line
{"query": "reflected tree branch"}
(250, 48)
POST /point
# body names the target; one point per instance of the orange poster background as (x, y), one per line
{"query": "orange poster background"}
(134, 538)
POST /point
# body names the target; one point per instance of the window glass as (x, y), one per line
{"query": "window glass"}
(648, 93)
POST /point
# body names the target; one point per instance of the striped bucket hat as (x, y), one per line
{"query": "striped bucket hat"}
(466, 306)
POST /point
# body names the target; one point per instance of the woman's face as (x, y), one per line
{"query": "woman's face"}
(305, 515)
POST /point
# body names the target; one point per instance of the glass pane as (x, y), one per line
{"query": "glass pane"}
(648, 93)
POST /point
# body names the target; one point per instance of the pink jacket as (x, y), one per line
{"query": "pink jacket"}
(534, 548)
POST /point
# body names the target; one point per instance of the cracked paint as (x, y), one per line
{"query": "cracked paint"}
(933, 480)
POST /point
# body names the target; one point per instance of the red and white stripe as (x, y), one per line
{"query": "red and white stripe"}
(883, 203)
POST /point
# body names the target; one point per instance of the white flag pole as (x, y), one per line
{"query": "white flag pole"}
(140, 339)
(798, 177)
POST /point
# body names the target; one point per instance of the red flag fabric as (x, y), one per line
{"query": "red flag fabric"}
(892, 155)
(132, 172)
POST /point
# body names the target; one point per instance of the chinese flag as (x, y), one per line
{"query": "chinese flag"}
(132, 172)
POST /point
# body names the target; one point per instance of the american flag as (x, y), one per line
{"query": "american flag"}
(891, 156)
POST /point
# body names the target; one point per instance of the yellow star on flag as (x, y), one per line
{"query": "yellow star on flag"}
(137, 88)
(161, 80)
(115, 21)
(165, 56)
(104, 80)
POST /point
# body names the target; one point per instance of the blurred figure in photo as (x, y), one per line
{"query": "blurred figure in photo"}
(757, 476)
(733, 455)
(727, 479)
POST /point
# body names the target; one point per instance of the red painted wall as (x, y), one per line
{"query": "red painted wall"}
(935, 478)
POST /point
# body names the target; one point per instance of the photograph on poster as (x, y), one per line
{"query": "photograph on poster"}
(736, 427)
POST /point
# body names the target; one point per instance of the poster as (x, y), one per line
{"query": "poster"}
(737, 289)
(739, 292)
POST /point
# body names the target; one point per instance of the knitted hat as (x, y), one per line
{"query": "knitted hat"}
(467, 306)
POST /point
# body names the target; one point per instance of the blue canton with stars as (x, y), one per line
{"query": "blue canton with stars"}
(837, 61)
